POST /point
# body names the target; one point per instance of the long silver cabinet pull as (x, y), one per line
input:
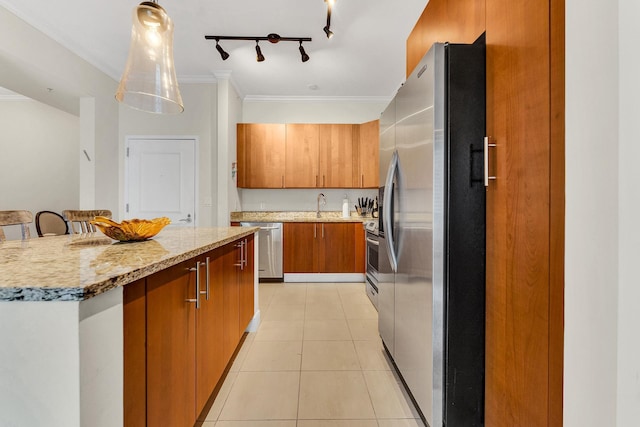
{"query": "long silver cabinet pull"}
(206, 291)
(323, 230)
(487, 144)
(197, 298)
(246, 252)
(241, 262)
(315, 234)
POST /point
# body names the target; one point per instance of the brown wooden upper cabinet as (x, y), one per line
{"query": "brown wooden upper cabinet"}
(302, 152)
(366, 155)
(261, 155)
(304, 155)
(336, 156)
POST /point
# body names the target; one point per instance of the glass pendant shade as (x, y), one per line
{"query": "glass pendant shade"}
(149, 80)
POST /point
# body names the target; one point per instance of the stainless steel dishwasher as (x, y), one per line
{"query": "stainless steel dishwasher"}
(270, 249)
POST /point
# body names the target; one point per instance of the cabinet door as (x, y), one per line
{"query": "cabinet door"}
(360, 246)
(336, 153)
(303, 143)
(171, 347)
(135, 354)
(246, 285)
(337, 248)
(231, 311)
(261, 155)
(210, 361)
(300, 241)
(366, 155)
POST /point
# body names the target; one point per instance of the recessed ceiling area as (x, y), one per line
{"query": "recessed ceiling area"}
(365, 58)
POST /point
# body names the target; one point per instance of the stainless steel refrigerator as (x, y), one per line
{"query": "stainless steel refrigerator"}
(431, 299)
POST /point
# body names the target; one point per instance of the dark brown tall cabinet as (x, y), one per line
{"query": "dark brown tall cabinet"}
(525, 204)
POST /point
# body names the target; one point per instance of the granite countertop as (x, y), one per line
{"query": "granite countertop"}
(304, 216)
(79, 266)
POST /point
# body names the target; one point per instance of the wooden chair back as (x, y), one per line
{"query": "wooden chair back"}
(50, 223)
(21, 218)
(81, 218)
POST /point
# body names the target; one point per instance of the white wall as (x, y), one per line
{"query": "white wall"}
(312, 111)
(39, 170)
(602, 350)
(628, 395)
(199, 107)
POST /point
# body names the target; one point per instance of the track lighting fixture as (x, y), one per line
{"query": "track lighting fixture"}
(303, 54)
(224, 55)
(271, 38)
(327, 28)
(259, 55)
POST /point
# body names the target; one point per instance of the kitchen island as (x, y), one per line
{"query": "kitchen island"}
(61, 319)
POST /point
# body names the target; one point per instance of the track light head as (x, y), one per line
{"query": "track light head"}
(259, 55)
(328, 31)
(224, 55)
(303, 54)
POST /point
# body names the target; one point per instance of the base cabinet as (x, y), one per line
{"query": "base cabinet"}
(323, 247)
(182, 325)
(171, 347)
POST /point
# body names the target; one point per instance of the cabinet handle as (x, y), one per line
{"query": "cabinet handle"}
(487, 144)
(282, 181)
(316, 180)
(197, 298)
(206, 292)
(323, 230)
(323, 184)
(362, 181)
(241, 263)
(315, 235)
(246, 252)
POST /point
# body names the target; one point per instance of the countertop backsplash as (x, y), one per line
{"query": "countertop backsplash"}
(301, 199)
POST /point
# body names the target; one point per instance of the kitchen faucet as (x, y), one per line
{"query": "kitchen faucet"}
(324, 202)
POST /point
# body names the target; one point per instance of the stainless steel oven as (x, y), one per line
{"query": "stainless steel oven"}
(372, 246)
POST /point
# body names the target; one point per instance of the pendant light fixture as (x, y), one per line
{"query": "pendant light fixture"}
(149, 80)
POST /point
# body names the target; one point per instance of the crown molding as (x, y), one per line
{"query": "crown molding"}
(316, 99)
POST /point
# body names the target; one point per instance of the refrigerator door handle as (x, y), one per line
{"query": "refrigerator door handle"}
(388, 208)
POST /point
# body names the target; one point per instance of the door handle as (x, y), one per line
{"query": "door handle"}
(187, 219)
(487, 144)
(388, 208)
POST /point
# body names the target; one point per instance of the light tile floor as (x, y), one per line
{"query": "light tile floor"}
(316, 361)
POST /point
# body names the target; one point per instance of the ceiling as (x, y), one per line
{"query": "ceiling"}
(365, 58)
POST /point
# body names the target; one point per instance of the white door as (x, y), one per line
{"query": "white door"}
(161, 179)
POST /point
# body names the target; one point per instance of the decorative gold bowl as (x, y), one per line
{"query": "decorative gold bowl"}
(133, 230)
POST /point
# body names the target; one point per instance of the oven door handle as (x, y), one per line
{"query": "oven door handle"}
(373, 242)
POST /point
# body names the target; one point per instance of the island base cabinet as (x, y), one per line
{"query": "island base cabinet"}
(135, 353)
(175, 353)
(171, 345)
(210, 361)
